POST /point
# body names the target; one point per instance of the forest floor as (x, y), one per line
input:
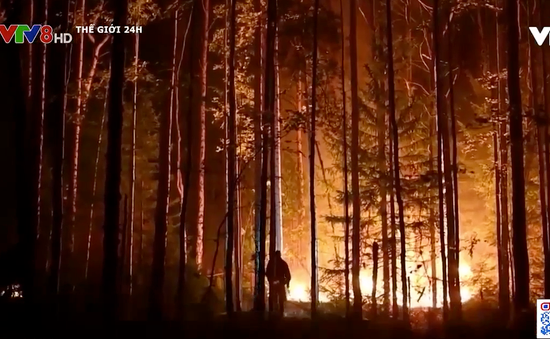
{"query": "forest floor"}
(248, 325)
(295, 325)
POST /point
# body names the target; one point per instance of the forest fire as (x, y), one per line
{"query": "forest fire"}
(166, 173)
(299, 290)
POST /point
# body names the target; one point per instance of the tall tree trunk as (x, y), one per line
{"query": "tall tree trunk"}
(504, 283)
(94, 185)
(397, 176)
(156, 290)
(539, 117)
(356, 251)
(374, 310)
(185, 173)
(29, 61)
(300, 157)
(39, 92)
(381, 129)
(75, 135)
(259, 231)
(393, 247)
(345, 162)
(232, 166)
(433, 241)
(237, 253)
(312, 143)
(440, 107)
(113, 166)
(200, 17)
(132, 194)
(237, 257)
(39, 102)
(57, 58)
(519, 228)
(269, 110)
(544, 130)
(452, 193)
(86, 91)
(278, 202)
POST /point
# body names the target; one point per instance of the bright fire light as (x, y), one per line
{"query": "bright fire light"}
(299, 291)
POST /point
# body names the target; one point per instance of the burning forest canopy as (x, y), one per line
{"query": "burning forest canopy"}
(192, 133)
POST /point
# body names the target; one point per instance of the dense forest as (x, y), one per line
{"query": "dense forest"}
(397, 153)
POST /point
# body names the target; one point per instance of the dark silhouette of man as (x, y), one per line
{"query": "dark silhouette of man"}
(278, 275)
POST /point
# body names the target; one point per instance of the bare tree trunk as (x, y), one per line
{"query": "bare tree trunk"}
(57, 59)
(238, 237)
(132, 207)
(94, 185)
(269, 110)
(312, 144)
(433, 241)
(519, 228)
(156, 290)
(393, 247)
(345, 161)
(356, 251)
(182, 175)
(397, 176)
(546, 154)
(300, 154)
(259, 230)
(232, 170)
(539, 116)
(30, 63)
(504, 283)
(440, 106)
(113, 166)
(374, 310)
(381, 128)
(278, 215)
(453, 192)
(39, 103)
(200, 18)
(74, 158)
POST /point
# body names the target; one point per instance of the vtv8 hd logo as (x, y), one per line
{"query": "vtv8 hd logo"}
(20, 33)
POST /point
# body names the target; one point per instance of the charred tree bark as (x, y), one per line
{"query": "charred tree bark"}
(113, 167)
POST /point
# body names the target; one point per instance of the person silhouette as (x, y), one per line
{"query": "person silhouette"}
(278, 275)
